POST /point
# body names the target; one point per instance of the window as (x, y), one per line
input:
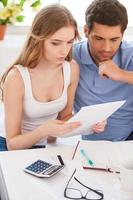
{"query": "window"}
(77, 8)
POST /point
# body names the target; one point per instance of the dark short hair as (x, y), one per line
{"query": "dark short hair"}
(106, 12)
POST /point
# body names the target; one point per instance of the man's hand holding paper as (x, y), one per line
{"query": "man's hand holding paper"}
(99, 127)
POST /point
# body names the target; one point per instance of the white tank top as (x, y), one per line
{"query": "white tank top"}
(36, 113)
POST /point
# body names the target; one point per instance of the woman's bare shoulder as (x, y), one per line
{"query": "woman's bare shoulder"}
(14, 80)
(74, 70)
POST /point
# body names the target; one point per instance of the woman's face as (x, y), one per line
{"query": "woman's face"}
(57, 46)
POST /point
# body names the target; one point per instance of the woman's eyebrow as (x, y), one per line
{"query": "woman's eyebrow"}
(58, 40)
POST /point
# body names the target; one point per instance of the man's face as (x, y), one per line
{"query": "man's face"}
(104, 41)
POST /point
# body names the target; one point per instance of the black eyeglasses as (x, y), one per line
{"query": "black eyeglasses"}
(72, 193)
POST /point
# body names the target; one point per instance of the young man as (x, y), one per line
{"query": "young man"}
(106, 67)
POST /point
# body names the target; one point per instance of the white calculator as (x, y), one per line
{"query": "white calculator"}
(43, 169)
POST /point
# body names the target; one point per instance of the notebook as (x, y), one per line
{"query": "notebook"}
(103, 154)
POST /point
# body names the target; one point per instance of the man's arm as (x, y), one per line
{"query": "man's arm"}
(110, 70)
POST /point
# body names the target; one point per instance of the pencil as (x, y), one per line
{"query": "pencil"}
(101, 169)
(75, 150)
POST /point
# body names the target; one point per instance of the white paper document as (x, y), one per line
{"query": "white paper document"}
(90, 115)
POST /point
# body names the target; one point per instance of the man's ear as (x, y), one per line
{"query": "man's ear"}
(86, 31)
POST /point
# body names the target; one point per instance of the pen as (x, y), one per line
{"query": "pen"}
(101, 169)
(89, 161)
(60, 160)
(75, 150)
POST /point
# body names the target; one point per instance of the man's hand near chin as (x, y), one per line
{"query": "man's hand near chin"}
(108, 69)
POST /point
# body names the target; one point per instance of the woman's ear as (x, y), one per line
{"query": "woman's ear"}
(86, 31)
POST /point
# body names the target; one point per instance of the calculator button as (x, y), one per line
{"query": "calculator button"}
(39, 166)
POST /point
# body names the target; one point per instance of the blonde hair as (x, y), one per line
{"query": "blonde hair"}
(46, 23)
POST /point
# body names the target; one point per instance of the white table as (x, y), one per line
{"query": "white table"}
(17, 185)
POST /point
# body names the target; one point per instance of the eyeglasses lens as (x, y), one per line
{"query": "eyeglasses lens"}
(73, 193)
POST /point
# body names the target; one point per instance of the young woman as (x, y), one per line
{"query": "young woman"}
(39, 89)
